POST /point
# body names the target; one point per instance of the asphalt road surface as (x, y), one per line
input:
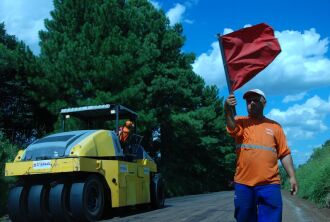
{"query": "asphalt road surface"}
(215, 207)
(219, 207)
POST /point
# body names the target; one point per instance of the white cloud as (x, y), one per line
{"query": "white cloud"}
(303, 121)
(191, 3)
(295, 97)
(189, 21)
(155, 4)
(227, 30)
(209, 65)
(175, 14)
(301, 66)
(24, 19)
(300, 157)
(294, 151)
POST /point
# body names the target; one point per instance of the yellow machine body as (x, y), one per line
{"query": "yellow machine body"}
(80, 175)
(129, 181)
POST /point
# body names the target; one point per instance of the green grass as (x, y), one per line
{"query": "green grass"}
(314, 177)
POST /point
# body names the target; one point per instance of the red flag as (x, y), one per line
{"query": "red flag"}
(248, 51)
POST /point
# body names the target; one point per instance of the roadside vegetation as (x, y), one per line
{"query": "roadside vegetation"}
(7, 153)
(314, 177)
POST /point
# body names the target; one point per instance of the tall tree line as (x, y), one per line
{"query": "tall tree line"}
(117, 51)
(21, 117)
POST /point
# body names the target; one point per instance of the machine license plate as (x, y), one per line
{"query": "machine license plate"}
(42, 164)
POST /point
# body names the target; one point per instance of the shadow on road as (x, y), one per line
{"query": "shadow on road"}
(130, 211)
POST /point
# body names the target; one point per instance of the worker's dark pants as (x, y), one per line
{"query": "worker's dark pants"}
(259, 203)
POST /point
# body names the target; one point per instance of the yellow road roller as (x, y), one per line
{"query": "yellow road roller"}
(83, 174)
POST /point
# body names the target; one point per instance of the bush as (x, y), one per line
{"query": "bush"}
(314, 177)
(7, 153)
(283, 174)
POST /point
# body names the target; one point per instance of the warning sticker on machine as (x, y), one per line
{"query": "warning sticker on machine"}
(42, 164)
(146, 170)
(123, 168)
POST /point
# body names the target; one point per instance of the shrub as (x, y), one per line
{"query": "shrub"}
(7, 153)
(314, 177)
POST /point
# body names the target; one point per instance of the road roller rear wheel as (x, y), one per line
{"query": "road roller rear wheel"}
(59, 206)
(17, 203)
(87, 199)
(157, 192)
(38, 203)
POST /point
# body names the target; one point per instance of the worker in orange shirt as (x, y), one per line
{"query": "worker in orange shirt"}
(125, 131)
(260, 142)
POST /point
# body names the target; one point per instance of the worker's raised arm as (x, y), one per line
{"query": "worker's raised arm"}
(230, 104)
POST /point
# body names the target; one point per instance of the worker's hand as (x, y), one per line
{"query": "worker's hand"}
(230, 101)
(293, 186)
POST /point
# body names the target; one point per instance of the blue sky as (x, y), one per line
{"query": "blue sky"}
(297, 83)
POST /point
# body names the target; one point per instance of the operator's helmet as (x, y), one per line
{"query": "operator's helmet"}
(129, 124)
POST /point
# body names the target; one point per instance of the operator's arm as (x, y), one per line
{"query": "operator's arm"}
(230, 104)
(288, 166)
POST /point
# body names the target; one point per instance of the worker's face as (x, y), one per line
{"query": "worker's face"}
(255, 105)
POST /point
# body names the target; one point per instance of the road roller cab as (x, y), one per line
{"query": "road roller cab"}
(78, 175)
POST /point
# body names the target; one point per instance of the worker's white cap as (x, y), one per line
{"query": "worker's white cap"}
(254, 91)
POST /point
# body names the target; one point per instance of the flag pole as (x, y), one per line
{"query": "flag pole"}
(224, 61)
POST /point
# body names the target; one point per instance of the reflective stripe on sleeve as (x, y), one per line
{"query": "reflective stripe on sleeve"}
(251, 146)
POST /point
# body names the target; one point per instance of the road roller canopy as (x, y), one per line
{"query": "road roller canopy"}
(103, 112)
(106, 112)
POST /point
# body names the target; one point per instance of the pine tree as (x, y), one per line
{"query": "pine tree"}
(126, 52)
(21, 119)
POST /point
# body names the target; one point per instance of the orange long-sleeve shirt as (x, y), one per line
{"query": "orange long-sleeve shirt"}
(123, 134)
(259, 145)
